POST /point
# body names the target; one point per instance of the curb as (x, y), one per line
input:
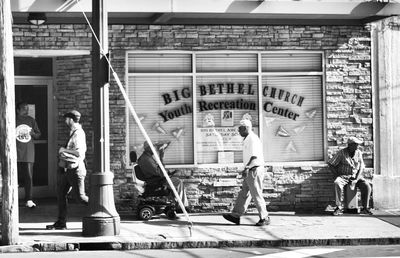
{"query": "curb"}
(124, 246)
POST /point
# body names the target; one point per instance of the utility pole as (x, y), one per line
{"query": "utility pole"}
(8, 149)
(103, 219)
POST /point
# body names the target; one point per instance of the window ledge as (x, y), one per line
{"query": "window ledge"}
(267, 164)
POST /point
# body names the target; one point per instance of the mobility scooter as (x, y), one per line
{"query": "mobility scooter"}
(157, 197)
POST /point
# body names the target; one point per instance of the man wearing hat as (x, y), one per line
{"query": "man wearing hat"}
(152, 172)
(72, 169)
(347, 166)
(253, 176)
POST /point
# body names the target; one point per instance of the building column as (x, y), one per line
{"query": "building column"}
(386, 96)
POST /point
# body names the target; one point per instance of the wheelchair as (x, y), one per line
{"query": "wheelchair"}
(157, 197)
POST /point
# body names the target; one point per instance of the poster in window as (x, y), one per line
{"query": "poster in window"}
(226, 117)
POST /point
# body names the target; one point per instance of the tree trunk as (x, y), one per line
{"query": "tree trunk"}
(8, 152)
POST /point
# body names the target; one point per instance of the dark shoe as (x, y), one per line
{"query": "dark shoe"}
(338, 211)
(231, 218)
(264, 222)
(57, 225)
(366, 211)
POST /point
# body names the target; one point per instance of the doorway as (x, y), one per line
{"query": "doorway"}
(38, 92)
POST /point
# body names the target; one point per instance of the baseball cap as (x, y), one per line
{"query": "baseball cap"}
(245, 122)
(354, 140)
(75, 115)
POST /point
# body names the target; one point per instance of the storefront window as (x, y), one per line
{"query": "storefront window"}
(222, 101)
(196, 101)
(292, 107)
(163, 102)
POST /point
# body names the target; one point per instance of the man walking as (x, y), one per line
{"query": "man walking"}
(72, 169)
(253, 176)
(27, 130)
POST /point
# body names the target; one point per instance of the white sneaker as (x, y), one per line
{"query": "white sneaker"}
(30, 204)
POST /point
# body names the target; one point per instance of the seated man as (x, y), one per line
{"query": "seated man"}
(152, 172)
(347, 166)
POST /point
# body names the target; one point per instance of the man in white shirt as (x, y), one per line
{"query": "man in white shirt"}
(72, 169)
(253, 176)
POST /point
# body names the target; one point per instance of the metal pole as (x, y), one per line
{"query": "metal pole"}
(103, 219)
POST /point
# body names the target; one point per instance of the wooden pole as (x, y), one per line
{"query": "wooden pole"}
(8, 151)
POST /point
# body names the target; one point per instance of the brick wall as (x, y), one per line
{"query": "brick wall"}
(306, 187)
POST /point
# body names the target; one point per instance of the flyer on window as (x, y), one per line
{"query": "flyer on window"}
(226, 117)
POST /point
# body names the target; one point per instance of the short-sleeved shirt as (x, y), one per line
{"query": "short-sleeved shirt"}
(25, 144)
(252, 147)
(346, 165)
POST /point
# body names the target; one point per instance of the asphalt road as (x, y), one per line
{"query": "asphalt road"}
(375, 251)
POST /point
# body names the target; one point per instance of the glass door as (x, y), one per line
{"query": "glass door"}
(37, 92)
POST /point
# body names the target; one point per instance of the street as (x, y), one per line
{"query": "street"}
(284, 252)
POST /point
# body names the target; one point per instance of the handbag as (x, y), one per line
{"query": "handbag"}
(63, 163)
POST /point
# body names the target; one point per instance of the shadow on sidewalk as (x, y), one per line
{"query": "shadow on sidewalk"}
(391, 217)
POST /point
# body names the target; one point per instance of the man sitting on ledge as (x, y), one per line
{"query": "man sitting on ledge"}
(152, 172)
(347, 167)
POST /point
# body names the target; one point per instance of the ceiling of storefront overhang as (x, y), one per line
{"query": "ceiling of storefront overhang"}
(313, 12)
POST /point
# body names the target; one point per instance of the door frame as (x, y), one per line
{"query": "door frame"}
(50, 189)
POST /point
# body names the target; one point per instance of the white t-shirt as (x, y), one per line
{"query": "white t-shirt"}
(252, 147)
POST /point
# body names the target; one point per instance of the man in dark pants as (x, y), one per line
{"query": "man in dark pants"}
(347, 166)
(72, 169)
(27, 130)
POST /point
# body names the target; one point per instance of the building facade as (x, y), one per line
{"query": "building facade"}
(306, 87)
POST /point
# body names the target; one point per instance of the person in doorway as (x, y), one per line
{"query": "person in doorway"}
(72, 169)
(27, 130)
(152, 172)
(253, 176)
(347, 167)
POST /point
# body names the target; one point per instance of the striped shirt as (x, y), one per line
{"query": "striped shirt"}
(346, 165)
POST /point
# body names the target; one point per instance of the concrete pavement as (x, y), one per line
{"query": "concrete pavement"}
(209, 230)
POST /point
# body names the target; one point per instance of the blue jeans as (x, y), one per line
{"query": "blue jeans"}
(67, 181)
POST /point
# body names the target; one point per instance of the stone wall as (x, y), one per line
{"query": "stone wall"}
(301, 188)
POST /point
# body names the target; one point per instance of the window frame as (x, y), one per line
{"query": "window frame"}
(259, 74)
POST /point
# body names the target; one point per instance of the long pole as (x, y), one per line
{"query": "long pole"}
(103, 219)
(135, 116)
(8, 150)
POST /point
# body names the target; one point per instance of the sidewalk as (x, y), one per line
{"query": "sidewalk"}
(209, 230)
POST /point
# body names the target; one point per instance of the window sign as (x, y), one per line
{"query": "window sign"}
(222, 101)
(292, 113)
(161, 95)
(226, 86)
(218, 139)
